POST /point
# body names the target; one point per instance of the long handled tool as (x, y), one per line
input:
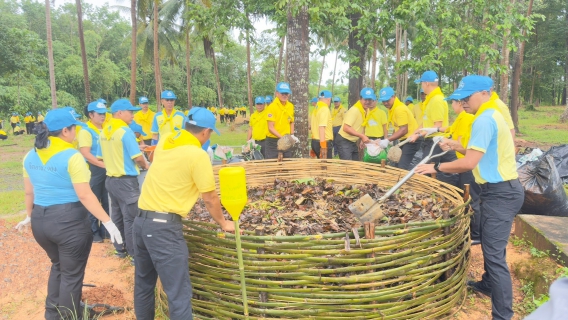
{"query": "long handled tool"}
(368, 210)
(396, 152)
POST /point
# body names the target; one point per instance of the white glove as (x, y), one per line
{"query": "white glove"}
(22, 224)
(113, 232)
(296, 140)
(384, 143)
(429, 131)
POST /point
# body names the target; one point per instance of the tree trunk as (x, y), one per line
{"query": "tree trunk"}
(397, 53)
(504, 94)
(279, 68)
(157, 73)
(405, 76)
(298, 61)
(249, 83)
(566, 65)
(133, 61)
(386, 61)
(83, 51)
(50, 55)
(188, 68)
(517, 70)
(334, 68)
(322, 67)
(219, 94)
(374, 66)
(357, 45)
(533, 73)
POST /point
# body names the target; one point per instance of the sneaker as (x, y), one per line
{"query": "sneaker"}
(476, 286)
(97, 238)
(120, 254)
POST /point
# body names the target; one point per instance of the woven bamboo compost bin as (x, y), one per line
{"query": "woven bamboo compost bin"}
(415, 270)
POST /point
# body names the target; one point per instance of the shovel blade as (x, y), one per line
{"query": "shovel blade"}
(366, 209)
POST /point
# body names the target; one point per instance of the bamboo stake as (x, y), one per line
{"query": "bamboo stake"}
(241, 268)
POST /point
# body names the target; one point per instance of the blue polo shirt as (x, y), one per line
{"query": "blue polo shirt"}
(491, 135)
(118, 149)
(164, 125)
(53, 171)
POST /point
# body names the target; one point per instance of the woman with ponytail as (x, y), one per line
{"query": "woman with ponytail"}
(58, 199)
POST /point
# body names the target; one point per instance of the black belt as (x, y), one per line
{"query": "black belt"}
(124, 177)
(375, 137)
(159, 215)
(259, 140)
(494, 184)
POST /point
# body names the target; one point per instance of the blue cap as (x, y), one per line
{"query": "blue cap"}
(336, 99)
(259, 100)
(60, 118)
(409, 98)
(386, 94)
(428, 76)
(103, 101)
(143, 100)
(75, 114)
(97, 106)
(168, 94)
(136, 128)
(367, 93)
(123, 105)
(202, 117)
(470, 85)
(325, 94)
(314, 100)
(283, 87)
(268, 99)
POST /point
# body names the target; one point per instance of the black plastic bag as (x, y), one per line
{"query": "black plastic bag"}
(560, 154)
(544, 190)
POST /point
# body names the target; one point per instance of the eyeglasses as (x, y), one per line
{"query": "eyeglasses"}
(471, 95)
(170, 100)
(260, 104)
(284, 94)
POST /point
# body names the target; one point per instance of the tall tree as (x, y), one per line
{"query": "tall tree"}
(133, 49)
(83, 51)
(50, 55)
(298, 63)
(357, 56)
(504, 94)
(157, 73)
(279, 67)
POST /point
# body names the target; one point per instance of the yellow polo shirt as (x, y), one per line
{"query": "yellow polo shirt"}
(27, 119)
(337, 115)
(321, 117)
(400, 115)
(163, 125)
(418, 113)
(259, 125)
(164, 191)
(376, 119)
(14, 119)
(40, 118)
(436, 110)
(504, 109)
(281, 115)
(232, 111)
(222, 111)
(118, 149)
(353, 118)
(145, 120)
(460, 130)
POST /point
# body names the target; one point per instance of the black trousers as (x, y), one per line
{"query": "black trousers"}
(64, 232)
(124, 193)
(222, 118)
(408, 152)
(316, 147)
(335, 133)
(262, 144)
(346, 149)
(500, 203)
(160, 250)
(427, 146)
(29, 127)
(474, 192)
(97, 183)
(271, 149)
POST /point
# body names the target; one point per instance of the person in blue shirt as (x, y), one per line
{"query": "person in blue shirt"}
(88, 143)
(58, 199)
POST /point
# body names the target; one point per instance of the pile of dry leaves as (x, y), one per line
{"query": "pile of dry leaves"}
(313, 206)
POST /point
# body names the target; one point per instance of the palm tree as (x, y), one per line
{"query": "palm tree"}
(133, 52)
(83, 51)
(157, 73)
(50, 55)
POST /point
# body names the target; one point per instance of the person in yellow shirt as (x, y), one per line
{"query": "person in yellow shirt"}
(280, 117)
(376, 126)
(258, 126)
(123, 160)
(222, 114)
(352, 130)
(145, 118)
(3, 135)
(168, 120)
(40, 117)
(337, 114)
(214, 110)
(490, 154)
(321, 128)
(166, 199)
(504, 109)
(435, 117)
(14, 120)
(400, 117)
(232, 114)
(28, 119)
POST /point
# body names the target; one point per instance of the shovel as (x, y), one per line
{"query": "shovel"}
(368, 210)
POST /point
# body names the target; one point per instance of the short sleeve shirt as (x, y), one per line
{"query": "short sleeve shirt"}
(399, 115)
(321, 117)
(119, 153)
(436, 110)
(281, 115)
(374, 128)
(161, 128)
(354, 119)
(259, 125)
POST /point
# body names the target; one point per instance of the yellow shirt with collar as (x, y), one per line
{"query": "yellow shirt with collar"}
(321, 117)
(40, 118)
(259, 125)
(282, 115)
(435, 111)
(460, 130)
(27, 119)
(176, 193)
(504, 109)
(354, 119)
(418, 113)
(145, 120)
(374, 127)
(14, 119)
(337, 115)
(399, 115)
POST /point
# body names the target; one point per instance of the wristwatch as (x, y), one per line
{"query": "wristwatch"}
(437, 167)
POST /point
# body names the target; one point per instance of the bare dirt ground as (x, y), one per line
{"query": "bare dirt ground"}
(24, 269)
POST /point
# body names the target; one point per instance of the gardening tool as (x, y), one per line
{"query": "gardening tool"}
(368, 210)
(395, 152)
(284, 144)
(233, 185)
